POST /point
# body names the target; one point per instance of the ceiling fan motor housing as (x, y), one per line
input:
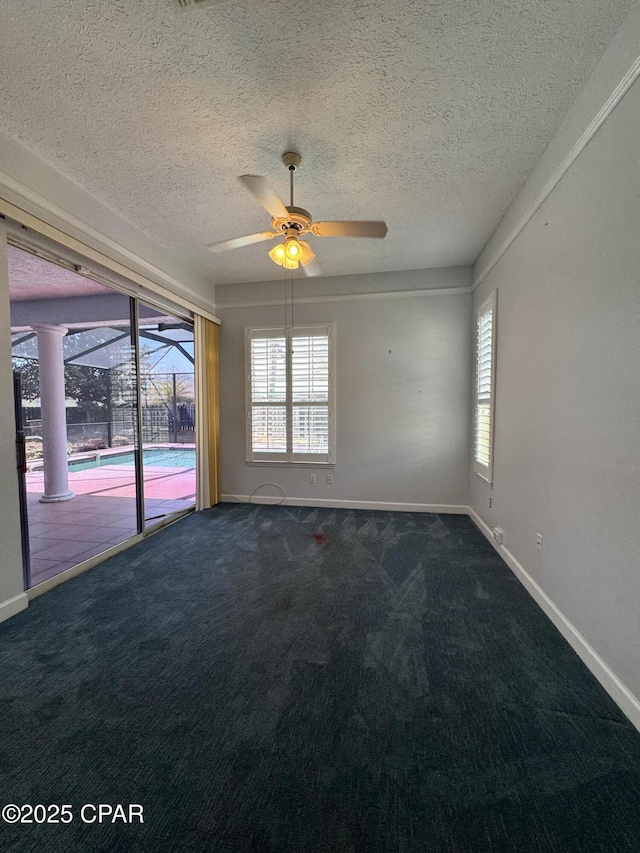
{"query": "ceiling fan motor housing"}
(298, 218)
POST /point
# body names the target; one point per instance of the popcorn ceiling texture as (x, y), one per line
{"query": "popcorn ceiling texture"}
(31, 277)
(427, 114)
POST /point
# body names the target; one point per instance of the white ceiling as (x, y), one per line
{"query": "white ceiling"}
(33, 278)
(426, 113)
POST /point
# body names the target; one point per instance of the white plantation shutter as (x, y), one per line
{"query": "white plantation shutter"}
(310, 393)
(485, 388)
(268, 393)
(290, 394)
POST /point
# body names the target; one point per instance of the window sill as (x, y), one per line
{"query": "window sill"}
(291, 464)
(484, 478)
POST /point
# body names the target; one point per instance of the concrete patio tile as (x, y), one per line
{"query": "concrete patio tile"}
(37, 544)
(44, 575)
(61, 566)
(71, 508)
(96, 549)
(122, 537)
(41, 529)
(38, 566)
(109, 511)
(62, 550)
(80, 533)
(103, 512)
(74, 517)
(112, 520)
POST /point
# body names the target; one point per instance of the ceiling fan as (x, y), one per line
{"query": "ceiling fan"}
(292, 222)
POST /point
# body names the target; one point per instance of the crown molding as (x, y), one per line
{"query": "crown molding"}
(590, 131)
(345, 297)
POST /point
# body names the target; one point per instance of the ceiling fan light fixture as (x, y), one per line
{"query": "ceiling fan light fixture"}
(290, 253)
(308, 254)
(278, 254)
(293, 249)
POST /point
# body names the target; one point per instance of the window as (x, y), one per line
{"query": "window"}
(485, 388)
(290, 395)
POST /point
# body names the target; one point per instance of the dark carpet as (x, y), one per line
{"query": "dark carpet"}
(283, 679)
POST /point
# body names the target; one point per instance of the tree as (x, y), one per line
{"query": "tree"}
(160, 388)
(83, 384)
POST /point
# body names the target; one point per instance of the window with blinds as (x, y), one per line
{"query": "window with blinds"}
(485, 385)
(289, 395)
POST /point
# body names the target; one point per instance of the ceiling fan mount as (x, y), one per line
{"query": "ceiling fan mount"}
(292, 222)
(291, 160)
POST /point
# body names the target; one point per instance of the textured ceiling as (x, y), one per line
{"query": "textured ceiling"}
(31, 277)
(429, 114)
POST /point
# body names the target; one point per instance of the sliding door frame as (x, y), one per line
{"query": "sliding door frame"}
(137, 453)
(26, 231)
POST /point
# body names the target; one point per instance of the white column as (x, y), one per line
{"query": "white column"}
(54, 418)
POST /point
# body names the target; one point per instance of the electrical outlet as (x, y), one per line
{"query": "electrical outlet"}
(312, 479)
(539, 542)
(330, 479)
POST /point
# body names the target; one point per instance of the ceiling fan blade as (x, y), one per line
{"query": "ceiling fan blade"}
(239, 242)
(349, 229)
(261, 189)
(312, 268)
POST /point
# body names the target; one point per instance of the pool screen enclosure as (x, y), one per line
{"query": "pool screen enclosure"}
(108, 414)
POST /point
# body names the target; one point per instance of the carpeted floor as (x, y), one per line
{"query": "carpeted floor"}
(288, 680)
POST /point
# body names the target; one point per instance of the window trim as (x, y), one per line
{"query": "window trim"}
(485, 472)
(289, 458)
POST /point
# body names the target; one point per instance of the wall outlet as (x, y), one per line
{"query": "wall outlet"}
(312, 479)
(539, 542)
(498, 535)
(330, 479)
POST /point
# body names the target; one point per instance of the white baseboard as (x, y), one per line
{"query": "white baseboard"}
(621, 695)
(331, 503)
(13, 605)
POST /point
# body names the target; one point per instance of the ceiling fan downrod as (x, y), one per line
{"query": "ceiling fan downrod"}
(292, 161)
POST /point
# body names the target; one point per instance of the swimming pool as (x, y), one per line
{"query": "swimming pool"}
(156, 457)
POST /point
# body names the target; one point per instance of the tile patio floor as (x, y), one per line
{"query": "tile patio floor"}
(102, 514)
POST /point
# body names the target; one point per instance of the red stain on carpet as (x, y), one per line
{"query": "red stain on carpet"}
(321, 539)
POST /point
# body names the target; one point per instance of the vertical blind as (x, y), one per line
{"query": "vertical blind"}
(483, 454)
(290, 382)
(207, 413)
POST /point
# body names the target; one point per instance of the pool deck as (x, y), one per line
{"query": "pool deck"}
(102, 514)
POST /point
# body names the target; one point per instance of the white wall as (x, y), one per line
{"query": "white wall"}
(12, 598)
(567, 442)
(403, 386)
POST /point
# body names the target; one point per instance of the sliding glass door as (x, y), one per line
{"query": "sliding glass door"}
(73, 355)
(168, 417)
(105, 416)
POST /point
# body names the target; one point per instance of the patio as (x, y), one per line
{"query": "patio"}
(102, 514)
